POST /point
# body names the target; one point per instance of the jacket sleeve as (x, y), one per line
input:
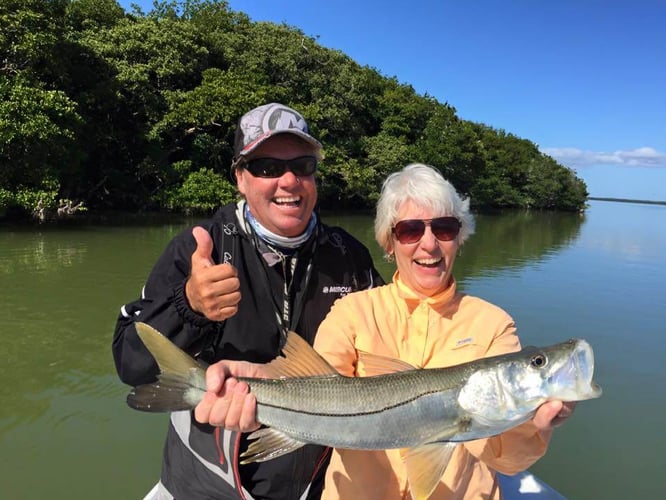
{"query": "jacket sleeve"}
(516, 449)
(164, 306)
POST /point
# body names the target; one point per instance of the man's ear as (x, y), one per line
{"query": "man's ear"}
(239, 174)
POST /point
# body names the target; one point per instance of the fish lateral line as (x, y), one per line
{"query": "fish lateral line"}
(302, 411)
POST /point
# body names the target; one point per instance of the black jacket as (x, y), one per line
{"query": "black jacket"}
(331, 264)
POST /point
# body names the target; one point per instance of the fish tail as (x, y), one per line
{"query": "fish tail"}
(181, 383)
(164, 397)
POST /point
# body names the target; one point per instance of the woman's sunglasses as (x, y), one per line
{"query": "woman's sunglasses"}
(411, 230)
(273, 167)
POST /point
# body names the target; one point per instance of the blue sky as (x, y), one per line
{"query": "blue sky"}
(583, 79)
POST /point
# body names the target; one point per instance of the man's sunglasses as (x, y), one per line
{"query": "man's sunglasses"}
(411, 230)
(273, 167)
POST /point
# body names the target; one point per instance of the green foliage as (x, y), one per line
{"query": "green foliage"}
(201, 192)
(404, 114)
(550, 186)
(30, 201)
(93, 14)
(38, 129)
(455, 147)
(213, 107)
(30, 30)
(139, 110)
(495, 191)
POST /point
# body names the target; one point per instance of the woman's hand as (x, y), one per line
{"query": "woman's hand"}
(552, 414)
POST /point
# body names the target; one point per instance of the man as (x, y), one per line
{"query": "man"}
(231, 288)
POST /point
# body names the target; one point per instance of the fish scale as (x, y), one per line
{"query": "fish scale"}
(338, 395)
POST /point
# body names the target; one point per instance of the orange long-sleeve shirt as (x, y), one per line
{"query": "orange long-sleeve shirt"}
(439, 331)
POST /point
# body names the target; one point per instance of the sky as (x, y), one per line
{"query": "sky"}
(585, 80)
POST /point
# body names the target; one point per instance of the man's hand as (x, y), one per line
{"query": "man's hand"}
(212, 289)
(228, 402)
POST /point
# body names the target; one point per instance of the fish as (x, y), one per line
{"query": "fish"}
(424, 412)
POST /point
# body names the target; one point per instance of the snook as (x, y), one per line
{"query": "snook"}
(424, 411)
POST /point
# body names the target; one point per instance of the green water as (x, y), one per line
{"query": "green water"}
(65, 432)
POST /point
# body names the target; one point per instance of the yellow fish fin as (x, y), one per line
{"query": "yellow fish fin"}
(425, 467)
(298, 359)
(375, 364)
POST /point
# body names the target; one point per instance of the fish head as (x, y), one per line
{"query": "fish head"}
(572, 381)
(562, 371)
(511, 387)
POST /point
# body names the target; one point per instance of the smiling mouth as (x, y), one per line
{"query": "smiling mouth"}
(288, 201)
(428, 262)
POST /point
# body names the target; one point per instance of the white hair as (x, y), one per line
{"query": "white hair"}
(425, 187)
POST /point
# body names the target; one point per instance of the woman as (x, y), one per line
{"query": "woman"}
(421, 318)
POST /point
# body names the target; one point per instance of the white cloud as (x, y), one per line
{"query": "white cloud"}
(640, 157)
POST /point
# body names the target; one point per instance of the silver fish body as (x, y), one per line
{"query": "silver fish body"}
(419, 410)
(409, 408)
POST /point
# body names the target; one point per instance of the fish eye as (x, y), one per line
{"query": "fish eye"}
(539, 361)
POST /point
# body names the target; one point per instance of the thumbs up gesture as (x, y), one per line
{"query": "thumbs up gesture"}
(212, 289)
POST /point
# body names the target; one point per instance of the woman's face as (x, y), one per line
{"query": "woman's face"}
(426, 265)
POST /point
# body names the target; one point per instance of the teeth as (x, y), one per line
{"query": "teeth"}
(427, 262)
(290, 199)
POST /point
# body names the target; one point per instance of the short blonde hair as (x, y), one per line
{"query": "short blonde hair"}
(424, 186)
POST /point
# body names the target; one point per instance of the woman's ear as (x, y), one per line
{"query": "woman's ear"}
(388, 253)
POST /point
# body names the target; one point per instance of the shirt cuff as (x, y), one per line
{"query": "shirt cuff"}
(184, 309)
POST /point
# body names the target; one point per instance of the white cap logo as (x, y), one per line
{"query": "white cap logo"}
(281, 118)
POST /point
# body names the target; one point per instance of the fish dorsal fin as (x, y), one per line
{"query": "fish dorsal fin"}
(171, 359)
(299, 360)
(375, 364)
(425, 467)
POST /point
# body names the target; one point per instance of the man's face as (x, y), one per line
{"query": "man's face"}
(282, 204)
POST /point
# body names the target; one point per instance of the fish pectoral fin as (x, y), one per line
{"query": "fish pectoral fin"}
(269, 444)
(425, 467)
(375, 364)
(299, 360)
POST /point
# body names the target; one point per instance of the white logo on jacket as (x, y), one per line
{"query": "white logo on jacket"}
(339, 289)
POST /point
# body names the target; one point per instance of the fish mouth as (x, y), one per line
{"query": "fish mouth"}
(579, 368)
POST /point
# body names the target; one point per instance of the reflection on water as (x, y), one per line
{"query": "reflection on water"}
(513, 240)
(501, 242)
(40, 254)
(599, 277)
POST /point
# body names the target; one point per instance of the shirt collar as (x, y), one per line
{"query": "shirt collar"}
(435, 301)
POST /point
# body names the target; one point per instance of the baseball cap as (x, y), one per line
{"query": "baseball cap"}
(269, 120)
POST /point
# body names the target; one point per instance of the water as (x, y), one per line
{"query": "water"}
(65, 432)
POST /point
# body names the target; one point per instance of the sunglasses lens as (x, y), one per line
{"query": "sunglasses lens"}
(305, 165)
(409, 231)
(273, 167)
(445, 228)
(265, 167)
